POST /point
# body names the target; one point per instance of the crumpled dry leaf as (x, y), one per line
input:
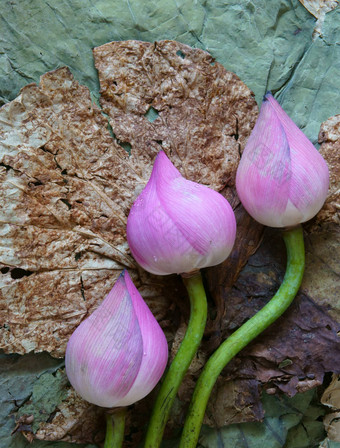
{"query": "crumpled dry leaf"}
(329, 137)
(166, 95)
(319, 8)
(67, 186)
(291, 356)
(331, 398)
(321, 278)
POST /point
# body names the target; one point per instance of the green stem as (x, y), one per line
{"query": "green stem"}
(181, 362)
(245, 334)
(115, 426)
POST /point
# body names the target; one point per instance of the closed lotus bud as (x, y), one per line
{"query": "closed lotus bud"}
(177, 226)
(118, 354)
(282, 180)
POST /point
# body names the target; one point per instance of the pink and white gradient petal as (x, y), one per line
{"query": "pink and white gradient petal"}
(263, 175)
(105, 354)
(282, 180)
(155, 348)
(176, 225)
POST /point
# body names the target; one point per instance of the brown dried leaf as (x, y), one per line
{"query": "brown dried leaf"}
(331, 398)
(67, 187)
(321, 278)
(292, 355)
(329, 137)
(319, 9)
(203, 113)
(234, 401)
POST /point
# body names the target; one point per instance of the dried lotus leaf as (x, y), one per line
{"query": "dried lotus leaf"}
(329, 137)
(68, 185)
(167, 95)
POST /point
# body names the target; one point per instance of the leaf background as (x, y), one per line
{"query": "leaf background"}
(269, 45)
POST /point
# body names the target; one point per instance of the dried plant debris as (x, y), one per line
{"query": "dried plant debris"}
(329, 137)
(321, 278)
(331, 398)
(319, 9)
(67, 185)
(166, 95)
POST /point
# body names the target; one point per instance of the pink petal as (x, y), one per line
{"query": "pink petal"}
(117, 355)
(176, 225)
(155, 348)
(264, 172)
(310, 177)
(104, 354)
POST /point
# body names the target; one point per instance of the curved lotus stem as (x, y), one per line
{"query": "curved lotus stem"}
(245, 334)
(181, 362)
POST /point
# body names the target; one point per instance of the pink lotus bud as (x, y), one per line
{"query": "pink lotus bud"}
(118, 354)
(282, 180)
(176, 225)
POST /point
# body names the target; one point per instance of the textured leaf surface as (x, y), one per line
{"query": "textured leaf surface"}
(281, 415)
(331, 399)
(319, 9)
(24, 379)
(65, 201)
(64, 198)
(268, 44)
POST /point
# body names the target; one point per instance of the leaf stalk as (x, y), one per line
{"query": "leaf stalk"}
(293, 239)
(181, 362)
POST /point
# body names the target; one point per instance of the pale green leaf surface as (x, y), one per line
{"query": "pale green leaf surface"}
(26, 379)
(282, 416)
(48, 391)
(311, 95)
(267, 44)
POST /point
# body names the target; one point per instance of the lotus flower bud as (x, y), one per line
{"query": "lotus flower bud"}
(118, 354)
(176, 225)
(282, 180)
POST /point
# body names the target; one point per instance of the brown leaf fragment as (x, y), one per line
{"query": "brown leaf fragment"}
(319, 9)
(57, 213)
(331, 398)
(292, 355)
(228, 405)
(322, 273)
(203, 113)
(329, 137)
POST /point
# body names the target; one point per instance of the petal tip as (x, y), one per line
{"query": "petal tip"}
(267, 95)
